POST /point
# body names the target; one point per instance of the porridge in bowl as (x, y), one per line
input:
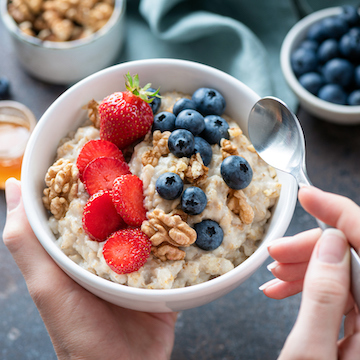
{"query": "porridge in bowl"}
(171, 202)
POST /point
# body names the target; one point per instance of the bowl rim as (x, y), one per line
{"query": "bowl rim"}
(291, 40)
(250, 265)
(13, 27)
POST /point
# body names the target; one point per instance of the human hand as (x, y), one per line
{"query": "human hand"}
(81, 325)
(318, 263)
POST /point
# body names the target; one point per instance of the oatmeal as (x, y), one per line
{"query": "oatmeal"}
(176, 259)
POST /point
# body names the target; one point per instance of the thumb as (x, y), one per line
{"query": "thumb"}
(325, 294)
(31, 258)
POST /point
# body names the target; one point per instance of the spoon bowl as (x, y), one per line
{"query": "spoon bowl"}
(277, 137)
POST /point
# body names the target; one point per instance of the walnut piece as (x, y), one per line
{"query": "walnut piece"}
(61, 28)
(228, 148)
(179, 166)
(62, 186)
(196, 172)
(234, 132)
(93, 113)
(238, 204)
(166, 251)
(168, 229)
(160, 148)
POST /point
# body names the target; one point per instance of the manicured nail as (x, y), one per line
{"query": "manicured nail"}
(278, 241)
(268, 284)
(12, 194)
(332, 247)
(272, 266)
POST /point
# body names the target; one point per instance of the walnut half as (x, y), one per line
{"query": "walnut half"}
(62, 186)
(170, 230)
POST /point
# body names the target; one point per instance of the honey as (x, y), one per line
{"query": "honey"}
(16, 124)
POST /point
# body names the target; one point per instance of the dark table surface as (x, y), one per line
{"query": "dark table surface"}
(243, 324)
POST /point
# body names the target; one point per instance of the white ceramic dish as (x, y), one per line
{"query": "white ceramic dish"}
(340, 114)
(169, 75)
(71, 61)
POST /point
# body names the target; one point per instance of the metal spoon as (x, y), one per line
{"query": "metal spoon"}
(278, 138)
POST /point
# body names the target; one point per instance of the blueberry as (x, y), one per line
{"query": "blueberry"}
(338, 71)
(209, 101)
(350, 15)
(317, 32)
(349, 44)
(204, 148)
(4, 88)
(191, 120)
(328, 50)
(354, 98)
(312, 82)
(335, 26)
(357, 76)
(181, 143)
(209, 235)
(303, 61)
(164, 121)
(193, 200)
(236, 172)
(183, 104)
(169, 186)
(333, 93)
(216, 128)
(155, 104)
(309, 45)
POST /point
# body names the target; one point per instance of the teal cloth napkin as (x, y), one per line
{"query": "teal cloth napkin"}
(242, 38)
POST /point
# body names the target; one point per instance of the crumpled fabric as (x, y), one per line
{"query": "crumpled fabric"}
(242, 38)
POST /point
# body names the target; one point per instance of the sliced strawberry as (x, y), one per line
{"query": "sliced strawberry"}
(100, 218)
(127, 250)
(128, 199)
(94, 149)
(101, 172)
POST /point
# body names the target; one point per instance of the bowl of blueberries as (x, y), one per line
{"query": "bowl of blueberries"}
(320, 59)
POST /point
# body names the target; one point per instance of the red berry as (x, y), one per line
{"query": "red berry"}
(100, 218)
(124, 118)
(127, 250)
(101, 172)
(94, 149)
(128, 199)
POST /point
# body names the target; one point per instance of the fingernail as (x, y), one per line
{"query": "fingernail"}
(332, 247)
(278, 241)
(272, 266)
(268, 284)
(12, 194)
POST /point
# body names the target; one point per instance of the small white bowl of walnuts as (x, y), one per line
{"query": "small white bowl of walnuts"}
(59, 41)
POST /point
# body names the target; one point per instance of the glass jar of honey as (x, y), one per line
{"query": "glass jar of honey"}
(16, 125)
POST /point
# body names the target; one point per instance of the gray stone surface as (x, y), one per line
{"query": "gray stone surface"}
(242, 325)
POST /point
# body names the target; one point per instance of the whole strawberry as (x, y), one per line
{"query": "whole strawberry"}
(126, 116)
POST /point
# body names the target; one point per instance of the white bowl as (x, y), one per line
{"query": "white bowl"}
(66, 113)
(69, 61)
(340, 114)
